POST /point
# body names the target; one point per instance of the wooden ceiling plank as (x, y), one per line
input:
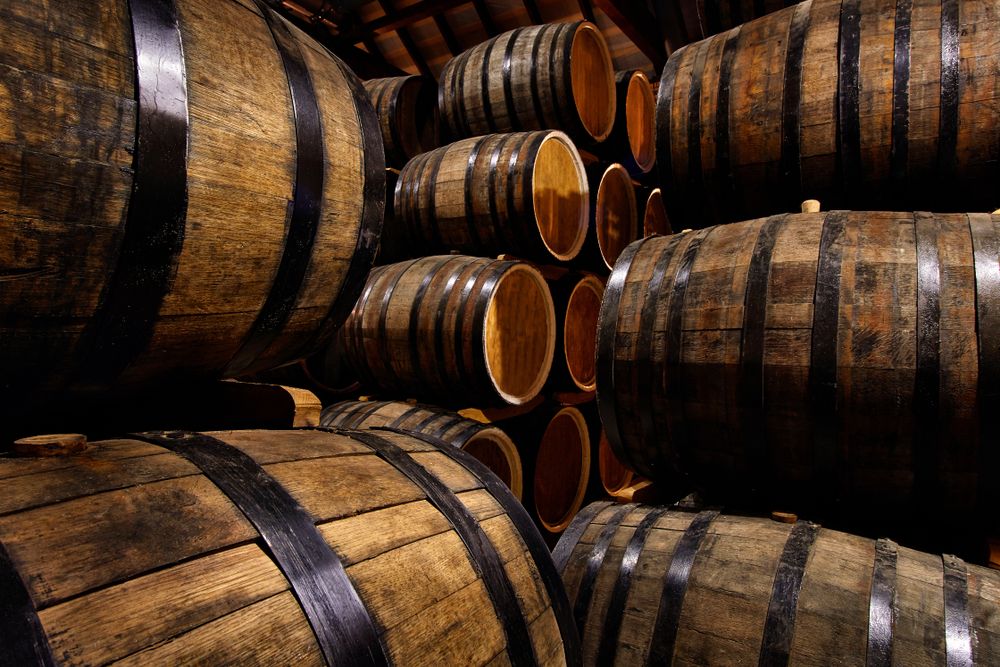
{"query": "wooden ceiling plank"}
(639, 25)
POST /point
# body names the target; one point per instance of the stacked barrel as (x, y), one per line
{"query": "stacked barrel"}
(534, 194)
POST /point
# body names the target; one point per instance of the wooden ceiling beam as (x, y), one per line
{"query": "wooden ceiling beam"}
(485, 18)
(447, 34)
(639, 25)
(531, 7)
(586, 10)
(408, 42)
(406, 16)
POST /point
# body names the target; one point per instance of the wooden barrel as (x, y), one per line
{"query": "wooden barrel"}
(194, 215)
(456, 330)
(490, 445)
(326, 373)
(632, 141)
(822, 362)
(523, 193)
(304, 547)
(614, 475)
(557, 76)
(614, 217)
(577, 300)
(652, 586)
(555, 445)
(654, 216)
(407, 112)
(867, 106)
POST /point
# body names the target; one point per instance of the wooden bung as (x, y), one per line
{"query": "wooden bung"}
(656, 587)
(453, 329)
(632, 141)
(810, 206)
(524, 193)
(54, 444)
(826, 363)
(304, 547)
(577, 300)
(614, 217)
(654, 217)
(490, 445)
(557, 76)
(407, 113)
(856, 104)
(196, 215)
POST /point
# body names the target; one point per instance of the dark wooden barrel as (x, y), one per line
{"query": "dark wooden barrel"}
(577, 300)
(867, 106)
(407, 112)
(614, 475)
(555, 444)
(654, 215)
(490, 445)
(306, 547)
(326, 374)
(614, 217)
(632, 141)
(453, 329)
(557, 76)
(196, 215)
(821, 362)
(651, 586)
(523, 193)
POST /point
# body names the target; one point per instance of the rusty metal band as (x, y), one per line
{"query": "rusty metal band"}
(779, 627)
(958, 636)
(951, 90)
(623, 582)
(513, 122)
(483, 554)
(791, 102)
(413, 331)
(899, 151)
(470, 213)
(725, 183)
(882, 605)
(848, 102)
(927, 385)
(533, 541)
(344, 629)
(822, 383)
(695, 179)
(675, 585)
(595, 560)
(156, 218)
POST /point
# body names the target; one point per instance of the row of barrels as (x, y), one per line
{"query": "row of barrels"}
(377, 547)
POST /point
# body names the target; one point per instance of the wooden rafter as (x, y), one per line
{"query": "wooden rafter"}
(531, 7)
(586, 10)
(639, 25)
(407, 40)
(406, 16)
(485, 18)
(447, 34)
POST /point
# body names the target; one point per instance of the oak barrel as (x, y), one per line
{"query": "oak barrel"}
(614, 217)
(304, 547)
(654, 215)
(658, 587)
(407, 113)
(632, 141)
(523, 193)
(146, 228)
(554, 76)
(869, 106)
(555, 444)
(490, 445)
(577, 299)
(455, 330)
(822, 362)
(614, 475)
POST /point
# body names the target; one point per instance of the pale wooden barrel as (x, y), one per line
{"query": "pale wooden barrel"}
(557, 76)
(455, 330)
(652, 586)
(407, 112)
(880, 105)
(822, 362)
(304, 547)
(206, 213)
(489, 444)
(523, 193)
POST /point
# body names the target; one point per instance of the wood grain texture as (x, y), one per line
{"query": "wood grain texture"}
(523, 193)
(148, 562)
(486, 442)
(725, 607)
(863, 105)
(68, 146)
(407, 115)
(556, 76)
(453, 329)
(817, 362)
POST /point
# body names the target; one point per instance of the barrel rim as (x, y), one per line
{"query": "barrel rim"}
(502, 442)
(594, 284)
(619, 172)
(587, 32)
(644, 160)
(584, 196)
(573, 509)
